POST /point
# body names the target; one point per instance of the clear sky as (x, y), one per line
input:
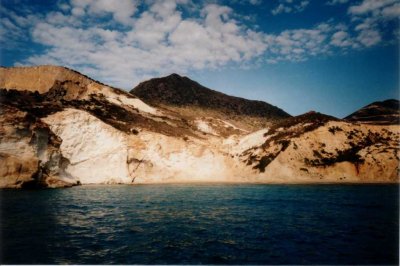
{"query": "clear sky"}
(331, 56)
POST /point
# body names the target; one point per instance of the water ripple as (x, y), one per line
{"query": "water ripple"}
(201, 224)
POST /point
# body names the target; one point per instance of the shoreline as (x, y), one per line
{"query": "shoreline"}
(216, 183)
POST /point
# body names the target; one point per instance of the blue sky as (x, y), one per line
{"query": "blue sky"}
(331, 56)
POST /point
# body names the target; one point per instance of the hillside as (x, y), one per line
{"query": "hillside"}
(319, 148)
(186, 96)
(42, 78)
(385, 112)
(61, 128)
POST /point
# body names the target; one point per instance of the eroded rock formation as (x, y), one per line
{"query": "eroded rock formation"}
(30, 152)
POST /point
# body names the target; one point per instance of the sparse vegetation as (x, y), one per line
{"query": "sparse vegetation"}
(42, 105)
(296, 126)
(350, 154)
(334, 129)
(264, 162)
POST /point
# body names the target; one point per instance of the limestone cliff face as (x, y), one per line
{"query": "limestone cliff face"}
(30, 152)
(145, 157)
(108, 136)
(97, 152)
(163, 159)
(60, 128)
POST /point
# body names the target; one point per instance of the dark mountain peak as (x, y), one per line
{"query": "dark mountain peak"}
(315, 116)
(174, 76)
(380, 112)
(390, 103)
(311, 112)
(312, 117)
(175, 90)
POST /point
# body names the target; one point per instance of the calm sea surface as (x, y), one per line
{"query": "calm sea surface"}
(201, 224)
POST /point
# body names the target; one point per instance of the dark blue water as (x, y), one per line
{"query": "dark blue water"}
(201, 224)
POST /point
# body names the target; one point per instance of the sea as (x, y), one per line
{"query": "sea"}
(201, 224)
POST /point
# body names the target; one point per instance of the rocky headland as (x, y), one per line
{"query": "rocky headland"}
(61, 128)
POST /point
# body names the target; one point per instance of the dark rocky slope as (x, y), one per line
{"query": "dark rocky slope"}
(178, 91)
(385, 112)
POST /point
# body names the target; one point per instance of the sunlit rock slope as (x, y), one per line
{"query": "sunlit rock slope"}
(318, 148)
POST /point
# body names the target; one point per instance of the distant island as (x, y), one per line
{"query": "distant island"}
(60, 128)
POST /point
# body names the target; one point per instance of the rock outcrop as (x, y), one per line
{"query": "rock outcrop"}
(60, 128)
(30, 152)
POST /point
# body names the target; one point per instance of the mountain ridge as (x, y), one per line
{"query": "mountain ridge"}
(181, 91)
(378, 112)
